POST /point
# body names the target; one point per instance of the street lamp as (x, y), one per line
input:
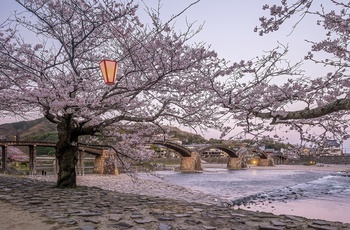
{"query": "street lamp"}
(109, 70)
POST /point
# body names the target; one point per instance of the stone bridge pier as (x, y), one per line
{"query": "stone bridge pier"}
(236, 163)
(266, 162)
(191, 164)
(106, 163)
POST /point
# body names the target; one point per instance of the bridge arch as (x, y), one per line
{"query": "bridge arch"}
(232, 153)
(262, 155)
(183, 151)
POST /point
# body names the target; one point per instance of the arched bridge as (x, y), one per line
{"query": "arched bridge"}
(236, 160)
(190, 157)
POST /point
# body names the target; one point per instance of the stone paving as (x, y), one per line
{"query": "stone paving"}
(90, 208)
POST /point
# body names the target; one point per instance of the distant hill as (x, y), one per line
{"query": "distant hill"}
(187, 138)
(39, 129)
(43, 130)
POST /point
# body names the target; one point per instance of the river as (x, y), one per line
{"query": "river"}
(306, 191)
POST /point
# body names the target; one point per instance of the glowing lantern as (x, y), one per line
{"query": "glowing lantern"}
(109, 70)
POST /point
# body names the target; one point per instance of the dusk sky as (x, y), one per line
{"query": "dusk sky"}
(228, 28)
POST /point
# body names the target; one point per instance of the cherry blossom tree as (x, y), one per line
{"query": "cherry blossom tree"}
(272, 92)
(162, 75)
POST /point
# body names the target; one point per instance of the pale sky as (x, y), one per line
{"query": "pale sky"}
(228, 28)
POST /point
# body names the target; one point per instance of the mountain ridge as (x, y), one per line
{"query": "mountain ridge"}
(43, 130)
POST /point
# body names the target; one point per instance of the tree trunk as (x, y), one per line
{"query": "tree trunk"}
(67, 154)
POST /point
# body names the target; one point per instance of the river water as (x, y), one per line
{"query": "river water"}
(314, 194)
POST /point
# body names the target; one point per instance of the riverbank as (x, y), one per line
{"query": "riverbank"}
(95, 208)
(124, 202)
(317, 167)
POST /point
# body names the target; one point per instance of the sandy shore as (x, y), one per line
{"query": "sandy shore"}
(133, 184)
(15, 218)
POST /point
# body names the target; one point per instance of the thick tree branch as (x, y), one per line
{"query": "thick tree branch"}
(335, 106)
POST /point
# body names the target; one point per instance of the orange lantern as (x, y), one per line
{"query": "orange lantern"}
(109, 70)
